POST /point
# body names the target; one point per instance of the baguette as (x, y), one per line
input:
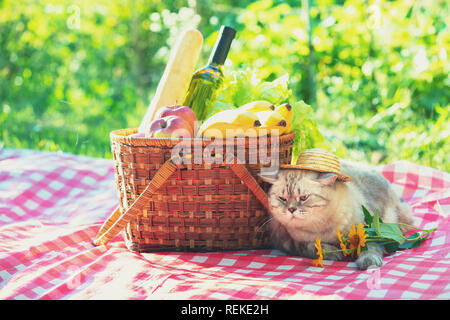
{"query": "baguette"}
(176, 77)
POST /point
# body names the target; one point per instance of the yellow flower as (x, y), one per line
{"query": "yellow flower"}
(357, 238)
(319, 261)
(345, 251)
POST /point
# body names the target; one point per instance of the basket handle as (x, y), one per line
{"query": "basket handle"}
(242, 172)
(116, 222)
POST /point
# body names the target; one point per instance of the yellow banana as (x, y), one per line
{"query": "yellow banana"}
(286, 111)
(271, 119)
(258, 105)
(228, 119)
(275, 130)
(245, 119)
(225, 130)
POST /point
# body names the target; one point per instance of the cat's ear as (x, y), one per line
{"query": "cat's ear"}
(269, 178)
(327, 179)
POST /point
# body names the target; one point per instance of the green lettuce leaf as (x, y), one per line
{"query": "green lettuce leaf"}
(243, 86)
(307, 133)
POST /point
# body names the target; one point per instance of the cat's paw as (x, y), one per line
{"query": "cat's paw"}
(336, 256)
(368, 259)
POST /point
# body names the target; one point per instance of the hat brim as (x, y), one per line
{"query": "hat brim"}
(341, 177)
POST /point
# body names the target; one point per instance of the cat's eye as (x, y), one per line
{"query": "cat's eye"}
(282, 199)
(304, 197)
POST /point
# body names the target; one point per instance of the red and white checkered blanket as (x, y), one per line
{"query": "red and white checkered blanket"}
(52, 205)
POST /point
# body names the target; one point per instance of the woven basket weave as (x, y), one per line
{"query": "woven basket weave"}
(190, 207)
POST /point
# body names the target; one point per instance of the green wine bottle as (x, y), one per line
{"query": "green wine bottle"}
(207, 81)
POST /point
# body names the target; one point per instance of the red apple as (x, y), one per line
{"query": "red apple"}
(170, 127)
(182, 112)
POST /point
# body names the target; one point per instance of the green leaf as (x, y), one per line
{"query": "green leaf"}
(367, 216)
(391, 247)
(370, 232)
(413, 241)
(243, 86)
(376, 223)
(277, 91)
(307, 132)
(391, 231)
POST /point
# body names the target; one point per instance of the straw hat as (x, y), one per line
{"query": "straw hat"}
(318, 160)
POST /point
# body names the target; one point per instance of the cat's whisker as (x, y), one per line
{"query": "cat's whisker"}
(265, 222)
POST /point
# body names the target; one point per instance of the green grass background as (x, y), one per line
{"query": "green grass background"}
(375, 72)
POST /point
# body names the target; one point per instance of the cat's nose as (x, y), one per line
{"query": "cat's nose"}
(292, 209)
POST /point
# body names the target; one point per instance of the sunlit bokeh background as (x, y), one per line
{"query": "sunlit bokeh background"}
(375, 72)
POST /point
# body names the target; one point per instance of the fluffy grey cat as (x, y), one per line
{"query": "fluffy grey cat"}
(306, 204)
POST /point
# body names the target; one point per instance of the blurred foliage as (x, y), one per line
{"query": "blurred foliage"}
(376, 72)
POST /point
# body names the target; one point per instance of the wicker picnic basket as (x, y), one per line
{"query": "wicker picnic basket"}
(168, 206)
